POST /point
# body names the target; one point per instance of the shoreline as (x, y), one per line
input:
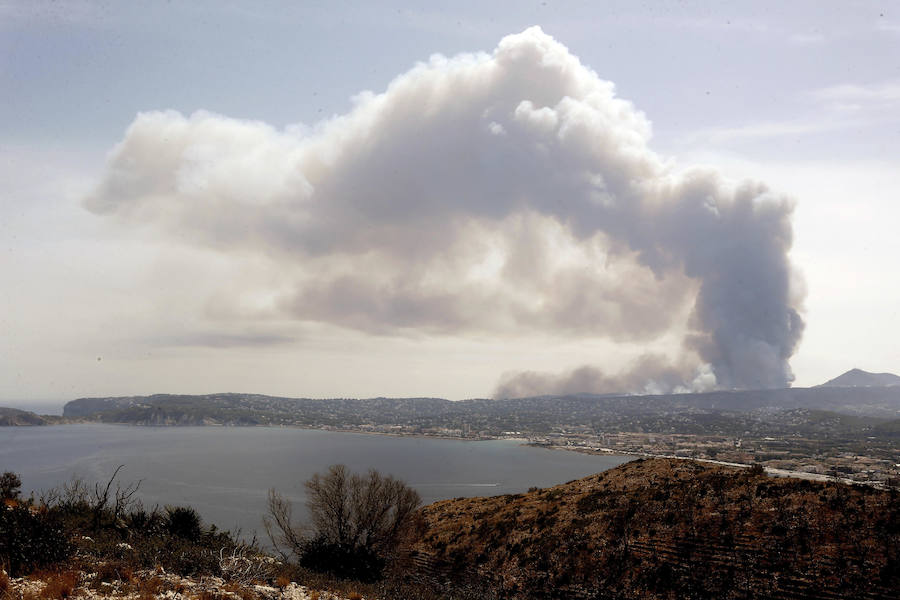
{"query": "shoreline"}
(600, 451)
(775, 472)
(521, 440)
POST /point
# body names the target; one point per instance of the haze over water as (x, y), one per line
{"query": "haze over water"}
(225, 472)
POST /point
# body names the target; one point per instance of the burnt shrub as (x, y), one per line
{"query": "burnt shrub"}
(146, 522)
(184, 522)
(187, 558)
(349, 562)
(30, 541)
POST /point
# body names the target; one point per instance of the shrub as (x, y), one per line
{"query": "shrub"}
(357, 563)
(146, 523)
(186, 558)
(184, 522)
(10, 486)
(111, 571)
(757, 470)
(30, 541)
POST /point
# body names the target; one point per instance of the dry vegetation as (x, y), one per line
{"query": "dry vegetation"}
(672, 529)
(655, 528)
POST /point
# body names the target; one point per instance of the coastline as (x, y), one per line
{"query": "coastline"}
(521, 440)
(524, 441)
(769, 470)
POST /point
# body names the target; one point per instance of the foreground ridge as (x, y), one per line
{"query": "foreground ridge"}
(672, 528)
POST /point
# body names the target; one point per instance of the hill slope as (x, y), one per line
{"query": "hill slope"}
(14, 416)
(860, 378)
(672, 529)
(521, 414)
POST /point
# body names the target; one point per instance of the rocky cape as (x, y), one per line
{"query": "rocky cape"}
(17, 417)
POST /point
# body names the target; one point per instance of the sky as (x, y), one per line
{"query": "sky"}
(457, 200)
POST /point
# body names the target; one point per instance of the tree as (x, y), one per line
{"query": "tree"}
(357, 522)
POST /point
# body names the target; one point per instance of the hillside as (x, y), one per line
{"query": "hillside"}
(623, 413)
(667, 528)
(860, 378)
(14, 416)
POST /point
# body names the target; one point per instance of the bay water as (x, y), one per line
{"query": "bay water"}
(226, 472)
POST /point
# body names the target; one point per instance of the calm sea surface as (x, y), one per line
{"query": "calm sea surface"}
(225, 472)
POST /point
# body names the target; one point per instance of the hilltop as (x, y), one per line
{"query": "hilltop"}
(860, 378)
(665, 528)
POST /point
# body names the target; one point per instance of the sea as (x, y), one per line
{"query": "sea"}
(225, 472)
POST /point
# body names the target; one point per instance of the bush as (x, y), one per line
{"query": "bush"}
(757, 470)
(30, 541)
(146, 523)
(184, 522)
(10, 486)
(360, 564)
(359, 522)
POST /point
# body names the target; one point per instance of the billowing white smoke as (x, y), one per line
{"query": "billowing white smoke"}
(500, 194)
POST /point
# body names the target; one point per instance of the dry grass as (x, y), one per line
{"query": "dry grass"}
(623, 525)
(113, 571)
(58, 585)
(152, 586)
(354, 596)
(240, 591)
(208, 595)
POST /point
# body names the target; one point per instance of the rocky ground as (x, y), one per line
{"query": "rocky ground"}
(144, 585)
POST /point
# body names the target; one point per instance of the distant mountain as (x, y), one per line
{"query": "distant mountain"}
(860, 378)
(14, 416)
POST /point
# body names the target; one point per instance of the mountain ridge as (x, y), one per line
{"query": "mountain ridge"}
(858, 378)
(260, 409)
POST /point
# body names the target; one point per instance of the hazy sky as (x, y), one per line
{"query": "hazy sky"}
(304, 199)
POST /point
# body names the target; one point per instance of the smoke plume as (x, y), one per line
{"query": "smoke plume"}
(486, 194)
